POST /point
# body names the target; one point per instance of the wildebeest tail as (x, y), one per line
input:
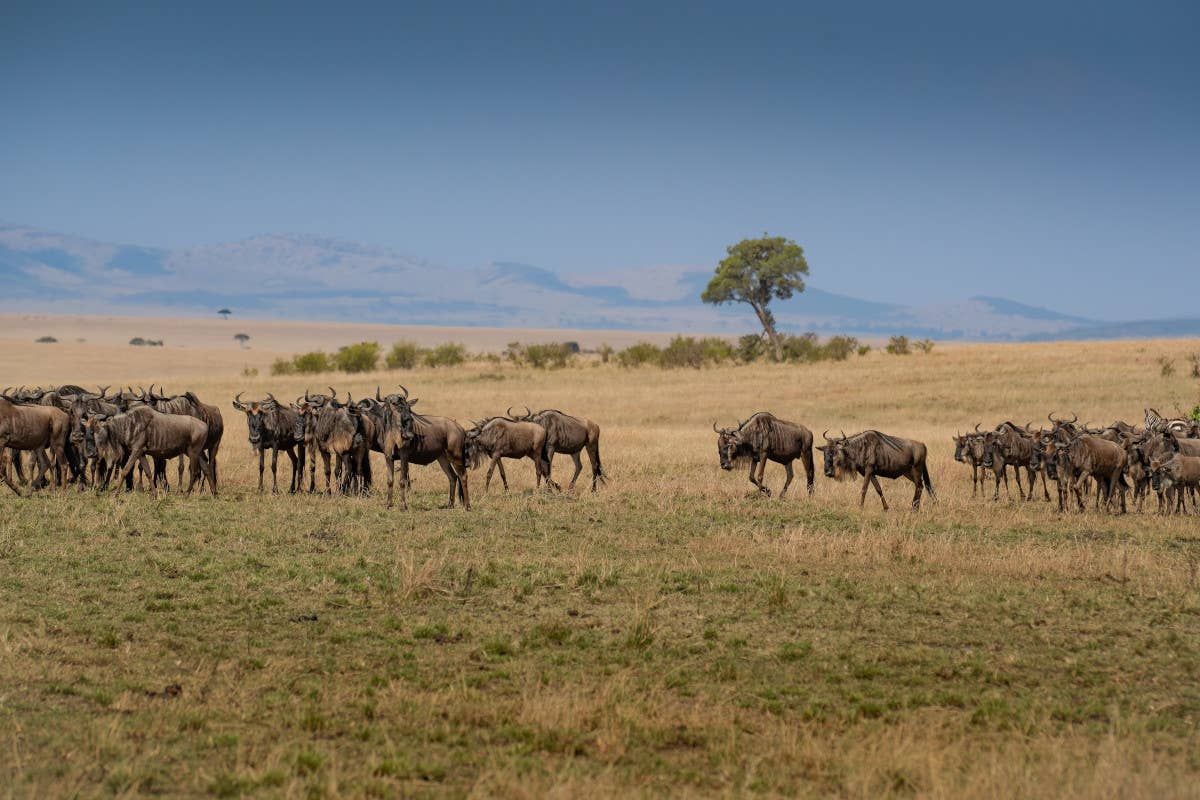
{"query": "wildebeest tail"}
(927, 482)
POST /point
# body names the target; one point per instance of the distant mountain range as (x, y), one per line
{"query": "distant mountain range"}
(310, 277)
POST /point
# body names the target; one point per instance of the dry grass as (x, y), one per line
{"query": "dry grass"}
(669, 635)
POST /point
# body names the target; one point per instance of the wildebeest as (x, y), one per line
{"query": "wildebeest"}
(337, 436)
(762, 438)
(1175, 474)
(1009, 444)
(188, 403)
(1090, 457)
(35, 428)
(497, 438)
(875, 455)
(966, 452)
(423, 439)
(270, 425)
(569, 435)
(142, 432)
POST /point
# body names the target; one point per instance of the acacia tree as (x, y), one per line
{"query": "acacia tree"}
(755, 272)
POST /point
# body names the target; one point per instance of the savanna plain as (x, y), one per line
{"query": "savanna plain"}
(671, 634)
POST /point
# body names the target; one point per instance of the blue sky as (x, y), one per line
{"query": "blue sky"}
(920, 152)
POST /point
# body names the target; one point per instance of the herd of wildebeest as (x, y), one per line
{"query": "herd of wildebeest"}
(67, 434)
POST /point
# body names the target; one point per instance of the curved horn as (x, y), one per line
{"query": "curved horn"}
(238, 397)
(715, 427)
(509, 414)
(528, 411)
(843, 435)
(306, 394)
(1051, 418)
(826, 435)
(332, 393)
(1074, 418)
(977, 424)
(271, 397)
(104, 390)
(403, 390)
(377, 397)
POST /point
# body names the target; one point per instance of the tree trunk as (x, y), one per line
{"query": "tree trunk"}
(768, 323)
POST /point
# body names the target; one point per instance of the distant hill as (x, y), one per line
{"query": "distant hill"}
(317, 278)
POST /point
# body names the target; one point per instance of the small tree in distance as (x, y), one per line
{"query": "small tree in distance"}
(755, 272)
(241, 338)
(225, 312)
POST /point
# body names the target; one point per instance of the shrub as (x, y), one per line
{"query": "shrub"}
(1194, 358)
(449, 354)
(863, 349)
(839, 348)
(403, 355)
(249, 372)
(716, 349)
(750, 348)
(682, 351)
(282, 366)
(898, 346)
(924, 345)
(46, 340)
(605, 350)
(1166, 366)
(308, 363)
(137, 341)
(805, 347)
(639, 354)
(361, 357)
(553, 355)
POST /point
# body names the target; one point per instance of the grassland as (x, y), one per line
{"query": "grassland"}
(671, 634)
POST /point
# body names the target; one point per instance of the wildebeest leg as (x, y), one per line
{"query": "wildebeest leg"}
(879, 490)
(1076, 487)
(1045, 488)
(460, 469)
(328, 479)
(404, 483)
(915, 477)
(274, 472)
(578, 469)
(291, 454)
(444, 463)
(503, 474)
(487, 480)
(389, 463)
(974, 478)
(758, 481)
(262, 465)
(1020, 488)
(787, 481)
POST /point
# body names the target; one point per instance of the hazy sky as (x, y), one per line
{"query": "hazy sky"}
(921, 152)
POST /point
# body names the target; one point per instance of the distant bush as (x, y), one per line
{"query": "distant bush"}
(1166, 366)
(839, 348)
(309, 363)
(46, 340)
(1194, 358)
(640, 354)
(449, 354)
(138, 341)
(605, 350)
(403, 355)
(550, 355)
(863, 349)
(687, 351)
(361, 357)
(249, 372)
(750, 348)
(898, 346)
(924, 345)
(283, 366)
(805, 347)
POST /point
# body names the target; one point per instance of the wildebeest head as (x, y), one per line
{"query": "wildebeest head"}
(1160, 476)
(729, 442)
(254, 411)
(837, 461)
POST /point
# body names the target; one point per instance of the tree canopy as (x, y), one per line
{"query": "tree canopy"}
(755, 272)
